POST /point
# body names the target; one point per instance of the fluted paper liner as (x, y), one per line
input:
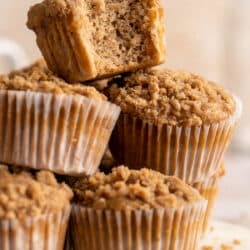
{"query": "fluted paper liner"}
(209, 191)
(156, 229)
(62, 133)
(190, 153)
(46, 232)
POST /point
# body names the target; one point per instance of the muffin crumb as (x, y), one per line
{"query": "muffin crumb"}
(25, 194)
(162, 96)
(207, 248)
(226, 247)
(38, 78)
(236, 242)
(132, 189)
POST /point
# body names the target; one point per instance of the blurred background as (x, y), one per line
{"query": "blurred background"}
(211, 38)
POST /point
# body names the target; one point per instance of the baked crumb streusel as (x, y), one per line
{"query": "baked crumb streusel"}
(39, 78)
(23, 194)
(132, 189)
(171, 97)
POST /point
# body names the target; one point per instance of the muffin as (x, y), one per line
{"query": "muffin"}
(208, 189)
(132, 210)
(172, 121)
(34, 211)
(46, 123)
(84, 40)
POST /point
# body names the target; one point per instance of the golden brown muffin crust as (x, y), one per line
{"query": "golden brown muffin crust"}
(23, 194)
(163, 96)
(39, 78)
(132, 189)
(98, 38)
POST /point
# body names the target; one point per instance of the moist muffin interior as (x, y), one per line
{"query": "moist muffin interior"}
(38, 78)
(163, 96)
(117, 33)
(25, 195)
(132, 189)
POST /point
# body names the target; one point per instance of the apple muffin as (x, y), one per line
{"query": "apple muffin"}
(84, 39)
(135, 209)
(175, 122)
(46, 123)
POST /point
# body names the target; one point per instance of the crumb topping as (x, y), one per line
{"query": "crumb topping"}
(39, 14)
(221, 172)
(132, 189)
(207, 248)
(236, 242)
(39, 78)
(226, 247)
(23, 194)
(162, 96)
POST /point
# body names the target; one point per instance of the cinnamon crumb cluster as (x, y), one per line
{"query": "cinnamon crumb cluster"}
(171, 97)
(23, 194)
(132, 189)
(39, 78)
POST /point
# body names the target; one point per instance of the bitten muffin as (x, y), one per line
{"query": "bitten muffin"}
(209, 189)
(175, 122)
(84, 39)
(49, 124)
(131, 209)
(34, 210)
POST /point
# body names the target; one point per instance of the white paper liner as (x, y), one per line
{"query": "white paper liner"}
(156, 229)
(190, 153)
(46, 232)
(62, 133)
(209, 191)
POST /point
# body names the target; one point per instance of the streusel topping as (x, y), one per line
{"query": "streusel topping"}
(23, 194)
(171, 97)
(132, 189)
(39, 78)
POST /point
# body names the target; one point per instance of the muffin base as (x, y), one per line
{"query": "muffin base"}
(65, 134)
(46, 232)
(168, 229)
(190, 153)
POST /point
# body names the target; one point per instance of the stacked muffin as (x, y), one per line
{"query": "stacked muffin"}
(172, 133)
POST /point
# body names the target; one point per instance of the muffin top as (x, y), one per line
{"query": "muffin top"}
(125, 189)
(40, 13)
(177, 98)
(23, 194)
(38, 78)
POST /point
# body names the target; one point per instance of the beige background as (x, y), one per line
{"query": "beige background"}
(211, 38)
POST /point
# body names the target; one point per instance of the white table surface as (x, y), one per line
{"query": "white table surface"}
(224, 234)
(234, 199)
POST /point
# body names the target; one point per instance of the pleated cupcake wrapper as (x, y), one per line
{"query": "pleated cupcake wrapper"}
(46, 232)
(157, 229)
(190, 153)
(62, 133)
(209, 191)
(70, 51)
